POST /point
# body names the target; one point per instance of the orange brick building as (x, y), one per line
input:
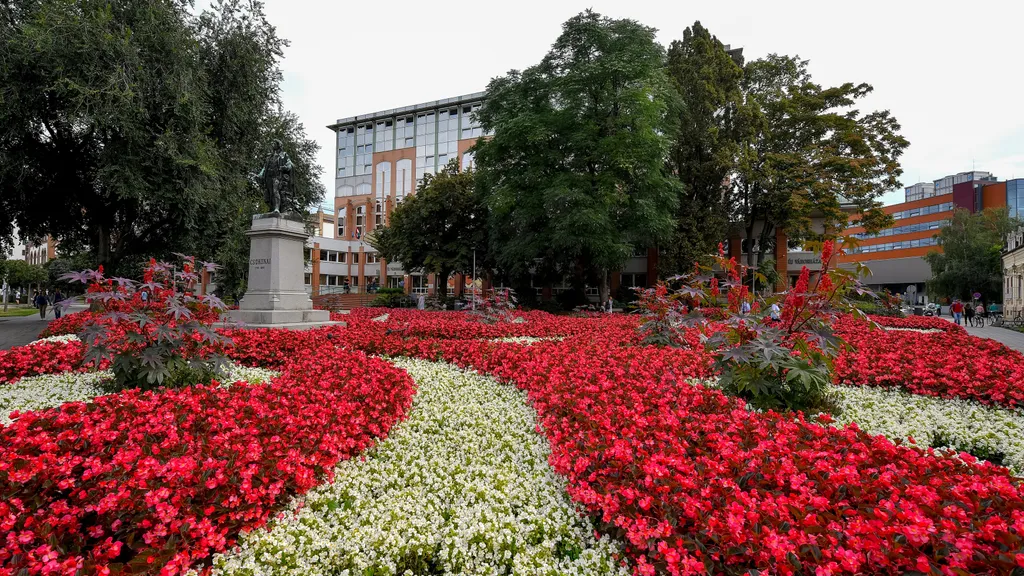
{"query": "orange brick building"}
(895, 255)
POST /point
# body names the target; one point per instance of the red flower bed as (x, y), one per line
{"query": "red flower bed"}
(697, 484)
(68, 324)
(152, 482)
(462, 325)
(42, 358)
(948, 364)
(918, 323)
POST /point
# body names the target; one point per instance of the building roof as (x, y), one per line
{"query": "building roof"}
(474, 97)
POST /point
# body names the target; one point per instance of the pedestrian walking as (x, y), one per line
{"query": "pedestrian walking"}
(969, 313)
(745, 307)
(57, 299)
(957, 309)
(41, 301)
(774, 312)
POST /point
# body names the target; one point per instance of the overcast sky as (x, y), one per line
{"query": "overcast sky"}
(951, 72)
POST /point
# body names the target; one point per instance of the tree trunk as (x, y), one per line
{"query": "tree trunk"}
(102, 235)
(602, 288)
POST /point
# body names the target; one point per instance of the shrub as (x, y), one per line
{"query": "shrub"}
(153, 334)
(392, 298)
(784, 363)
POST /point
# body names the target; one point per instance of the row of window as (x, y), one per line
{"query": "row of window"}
(894, 246)
(342, 257)
(434, 134)
(904, 229)
(333, 280)
(1008, 284)
(933, 209)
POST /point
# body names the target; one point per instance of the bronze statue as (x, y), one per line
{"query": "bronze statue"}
(276, 178)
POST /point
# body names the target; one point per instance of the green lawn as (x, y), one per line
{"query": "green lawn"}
(11, 312)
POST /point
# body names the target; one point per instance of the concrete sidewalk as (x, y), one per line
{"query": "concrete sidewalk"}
(21, 330)
(1010, 338)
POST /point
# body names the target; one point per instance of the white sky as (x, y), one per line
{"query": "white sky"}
(951, 72)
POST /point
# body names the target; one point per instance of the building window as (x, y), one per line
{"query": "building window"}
(372, 258)
(383, 191)
(403, 179)
(346, 151)
(332, 256)
(468, 161)
(342, 257)
(342, 214)
(360, 222)
(345, 190)
(405, 132)
(323, 255)
(426, 137)
(385, 132)
(364, 149)
(470, 125)
(308, 279)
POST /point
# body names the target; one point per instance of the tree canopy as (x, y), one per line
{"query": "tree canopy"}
(805, 150)
(575, 172)
(437, 229)
(971, 259)
(703, 152)
(132, 128)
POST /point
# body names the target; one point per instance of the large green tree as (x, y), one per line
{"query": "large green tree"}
(971, 258)
(437, 229)
(575, 173)
(131, 128)
(703, 153)
(805, 151)
(20, 274)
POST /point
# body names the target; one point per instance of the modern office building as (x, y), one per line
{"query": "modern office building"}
(895, 256)
(380, 159)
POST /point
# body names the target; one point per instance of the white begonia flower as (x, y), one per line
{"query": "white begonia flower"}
(990, 432)
(461, 487)
(49, 390)
(52, 390)
(994, 433)
(526, 340)
(61, 338)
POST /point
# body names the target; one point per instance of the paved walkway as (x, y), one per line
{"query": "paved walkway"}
(21, 330)
(1010, 338)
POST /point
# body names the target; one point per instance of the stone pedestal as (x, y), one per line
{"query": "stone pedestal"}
(276, 294)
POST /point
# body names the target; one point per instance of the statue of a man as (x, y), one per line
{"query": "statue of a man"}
(276, 178)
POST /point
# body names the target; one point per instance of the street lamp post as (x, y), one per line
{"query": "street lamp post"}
(474, 279)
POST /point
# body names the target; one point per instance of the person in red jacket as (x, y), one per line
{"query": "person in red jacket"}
(958, 311)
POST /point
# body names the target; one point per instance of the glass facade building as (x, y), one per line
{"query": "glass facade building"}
(1015, 197)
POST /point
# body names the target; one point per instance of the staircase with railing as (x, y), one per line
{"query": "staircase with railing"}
(335, 300)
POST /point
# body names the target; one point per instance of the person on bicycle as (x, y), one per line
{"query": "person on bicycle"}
(979, 313)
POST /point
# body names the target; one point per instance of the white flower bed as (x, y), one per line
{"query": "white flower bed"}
(61, 338)
(461, 487)
(963, 425)
(50, 390)
(525, 340)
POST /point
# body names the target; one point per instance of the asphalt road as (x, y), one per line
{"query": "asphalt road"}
(21, 330)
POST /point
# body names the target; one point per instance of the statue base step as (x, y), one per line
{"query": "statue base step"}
(251, 318)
